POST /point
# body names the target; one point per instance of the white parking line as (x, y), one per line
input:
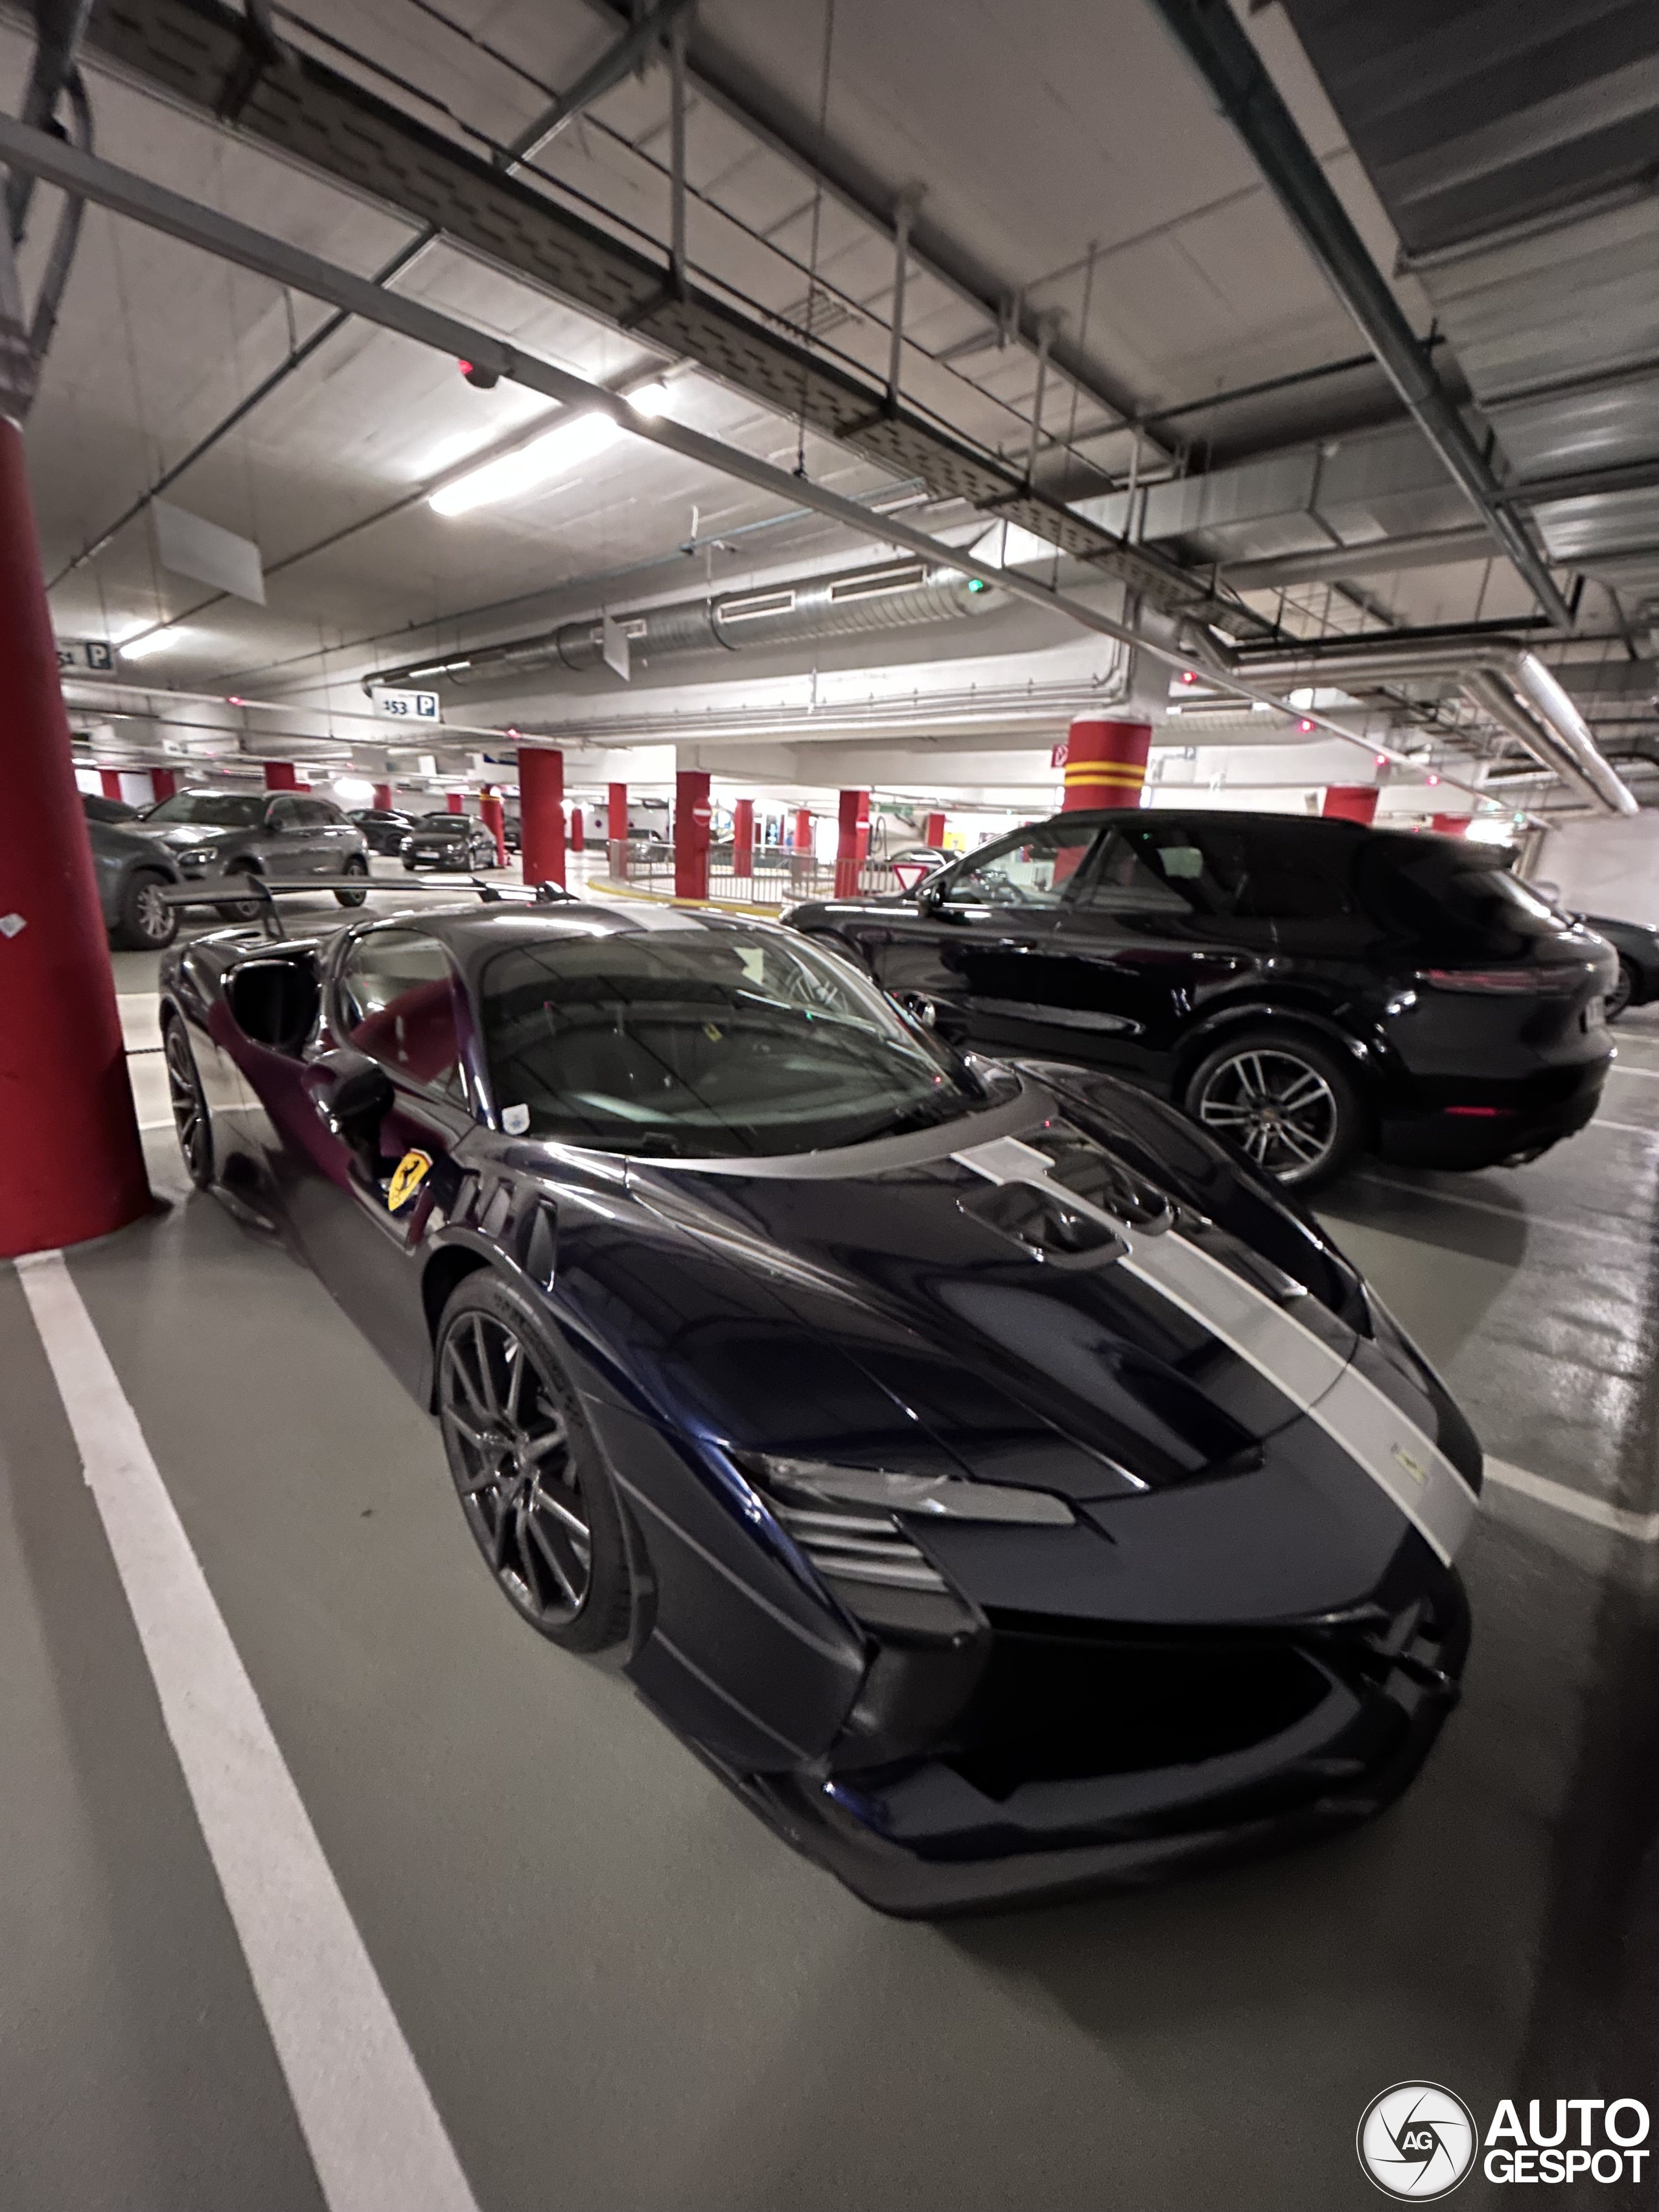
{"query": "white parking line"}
(1641, 1527)
(1507, 1213)
(368, 2120)
(1630, 1128)
(1647, 1074)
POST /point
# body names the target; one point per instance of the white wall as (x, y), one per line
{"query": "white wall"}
(1605, 866)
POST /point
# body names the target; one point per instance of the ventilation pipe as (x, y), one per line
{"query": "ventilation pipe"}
(1508, 680)
(896, 596)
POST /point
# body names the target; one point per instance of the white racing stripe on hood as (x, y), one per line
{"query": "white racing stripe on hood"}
(1375, 1433)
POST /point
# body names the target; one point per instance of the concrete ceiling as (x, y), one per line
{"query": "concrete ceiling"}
(1065, 146)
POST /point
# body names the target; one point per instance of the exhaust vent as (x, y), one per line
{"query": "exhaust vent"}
(878, 581)
(752, 605)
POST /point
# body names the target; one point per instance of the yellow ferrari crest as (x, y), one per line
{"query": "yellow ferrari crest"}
(411, 1171)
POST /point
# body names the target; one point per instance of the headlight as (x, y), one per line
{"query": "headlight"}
(842, 1517)
(197, 859)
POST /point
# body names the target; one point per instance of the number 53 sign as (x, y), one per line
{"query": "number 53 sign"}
(405, 705)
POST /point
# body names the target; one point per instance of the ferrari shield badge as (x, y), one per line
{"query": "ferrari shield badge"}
(411, 1171)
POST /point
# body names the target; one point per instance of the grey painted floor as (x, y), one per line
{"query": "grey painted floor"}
(623, 1992)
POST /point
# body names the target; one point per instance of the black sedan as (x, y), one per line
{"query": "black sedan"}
(454, 841)
(383, 827)
(999, 1485)
(1638, 948)
(1306, 989)
(133, 877)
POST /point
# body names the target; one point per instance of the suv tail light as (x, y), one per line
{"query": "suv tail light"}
(1507, 982)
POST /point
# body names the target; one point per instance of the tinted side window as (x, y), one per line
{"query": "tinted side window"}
(283, 813)
(317, 811)
(1455, 900)
(397, 1003)
(1033, 867)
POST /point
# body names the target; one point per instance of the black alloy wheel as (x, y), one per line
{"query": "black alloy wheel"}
(1623, 992)
(1287, 1105)
(190, 1118)
(356, 868)
(535, 1494)
(145, 922)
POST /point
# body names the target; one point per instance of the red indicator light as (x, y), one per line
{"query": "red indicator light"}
(1304, 725)
(1434, 779)
(1481, 1113)
(1189, 676)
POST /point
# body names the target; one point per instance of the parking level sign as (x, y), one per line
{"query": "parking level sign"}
(82, 653)
(405, 706)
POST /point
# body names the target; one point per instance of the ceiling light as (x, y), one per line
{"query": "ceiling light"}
(354, 790)
(147, 641)
(553, 454)
(650, 400)
(1489, 829)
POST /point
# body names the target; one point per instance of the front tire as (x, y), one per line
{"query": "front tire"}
(531, 1484)
(1622, 993)
(145, 922)
(357, 868)
(191, 1122)
(1287, 1103)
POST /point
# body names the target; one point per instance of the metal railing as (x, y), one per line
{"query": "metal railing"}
(777, 878)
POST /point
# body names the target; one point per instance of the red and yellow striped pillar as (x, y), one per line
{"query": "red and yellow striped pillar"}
(1106, 763)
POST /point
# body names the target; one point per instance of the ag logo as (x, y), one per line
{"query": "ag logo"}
(411, 1171)
(1417, 2141)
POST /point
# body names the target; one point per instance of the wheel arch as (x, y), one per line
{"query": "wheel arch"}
(1202, 1040)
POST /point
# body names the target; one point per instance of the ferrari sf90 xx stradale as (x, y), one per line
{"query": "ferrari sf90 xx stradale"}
(1000, 1485)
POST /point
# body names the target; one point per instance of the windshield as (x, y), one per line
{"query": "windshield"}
(718, 1042)
(216, 809)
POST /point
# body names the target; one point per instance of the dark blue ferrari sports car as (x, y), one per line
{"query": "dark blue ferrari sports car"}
(998, 1483)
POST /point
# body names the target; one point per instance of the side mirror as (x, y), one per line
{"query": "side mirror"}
(928, 897)
(354, 1095)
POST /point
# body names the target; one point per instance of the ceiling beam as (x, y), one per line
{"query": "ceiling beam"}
(105, 184)
(728, 81)
(195, 54)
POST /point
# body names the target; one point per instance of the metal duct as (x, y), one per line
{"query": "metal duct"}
(894, 596)
(1510, 682)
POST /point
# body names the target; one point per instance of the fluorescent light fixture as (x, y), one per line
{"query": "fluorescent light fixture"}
(553, 454)
(650, 400)
(1490, 829)
(354, 790)
(147, 641)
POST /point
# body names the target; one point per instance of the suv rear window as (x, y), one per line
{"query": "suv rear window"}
(1457, 899)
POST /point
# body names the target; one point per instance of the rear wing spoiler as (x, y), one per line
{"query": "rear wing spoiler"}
(264, 891)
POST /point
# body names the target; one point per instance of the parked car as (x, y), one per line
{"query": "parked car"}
(1308, 989)
(97, 808)
(449, 840)
(132, 876)
(997, 1482)
(383, 827)
(1638, 948)
(287, 834)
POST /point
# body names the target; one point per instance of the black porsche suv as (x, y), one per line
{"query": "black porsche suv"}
(1306, 988)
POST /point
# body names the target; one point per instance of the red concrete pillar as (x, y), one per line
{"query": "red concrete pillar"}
(73, 1165)
(109, 783)
(455, 802)
(617, 831)
(492, 815)
(280, 776)
(163, 782)
(1106, 763)
(803, 830)
(1450, 825)
(742, 838)
(578, 831)
(852, 843)
(541, 815)
(933, 831)
(692, 816)
(1351, 802)
(382, 797)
